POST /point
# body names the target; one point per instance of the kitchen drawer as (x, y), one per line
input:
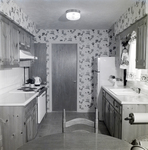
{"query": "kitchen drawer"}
(110, 99)
(29, 106)
(117, 106)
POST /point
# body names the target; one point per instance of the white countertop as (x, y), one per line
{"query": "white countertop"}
(127, 99)
(17, 98)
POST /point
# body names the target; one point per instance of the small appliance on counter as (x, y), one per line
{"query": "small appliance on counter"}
(37, 81)
(30, 83)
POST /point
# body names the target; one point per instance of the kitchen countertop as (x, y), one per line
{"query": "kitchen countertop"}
(127, 99)
(17, 97)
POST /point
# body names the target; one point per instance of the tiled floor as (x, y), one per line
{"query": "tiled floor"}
(52, 123)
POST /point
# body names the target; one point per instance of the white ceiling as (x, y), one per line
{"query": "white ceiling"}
(95, 14)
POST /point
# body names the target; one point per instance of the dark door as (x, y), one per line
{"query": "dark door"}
(64, 77)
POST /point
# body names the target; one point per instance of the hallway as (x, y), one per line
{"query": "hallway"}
(52, 123)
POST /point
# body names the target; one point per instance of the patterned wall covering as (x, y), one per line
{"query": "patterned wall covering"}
(91, 44)
(133, 13)
(112, 42)
(10, 9)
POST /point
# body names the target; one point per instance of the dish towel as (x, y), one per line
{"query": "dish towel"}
(124, 59)
(133, 74)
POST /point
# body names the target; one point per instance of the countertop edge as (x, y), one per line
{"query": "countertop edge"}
(21, 104)
(119, 98)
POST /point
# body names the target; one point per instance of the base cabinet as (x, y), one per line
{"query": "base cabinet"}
(31, 120)
(19, 124)
(114, 115)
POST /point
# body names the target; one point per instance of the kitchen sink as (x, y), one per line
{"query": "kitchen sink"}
(123, 91)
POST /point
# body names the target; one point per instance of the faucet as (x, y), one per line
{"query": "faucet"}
(136, 89)
(118, 79)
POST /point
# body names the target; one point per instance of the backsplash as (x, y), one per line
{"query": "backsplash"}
(15, 13)
(91, 44)
(133, 13)
(10, 79)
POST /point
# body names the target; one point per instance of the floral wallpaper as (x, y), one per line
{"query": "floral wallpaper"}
(112, 41)
(133, 13)
(91, 44)
(15, 13)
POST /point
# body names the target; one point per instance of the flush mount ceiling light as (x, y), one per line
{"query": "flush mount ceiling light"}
(73, 14)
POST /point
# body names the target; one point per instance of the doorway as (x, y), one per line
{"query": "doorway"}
(64, 77)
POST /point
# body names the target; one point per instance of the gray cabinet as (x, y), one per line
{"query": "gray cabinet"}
(117, 124)
(111, 120)
(114, 115)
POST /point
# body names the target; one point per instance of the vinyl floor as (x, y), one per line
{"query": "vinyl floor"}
(52, 123)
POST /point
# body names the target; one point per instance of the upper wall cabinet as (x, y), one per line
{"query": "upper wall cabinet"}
(12, 39)
(9, 40)
(5, 54)
(24, 40)
(14, 44)
(141, 44)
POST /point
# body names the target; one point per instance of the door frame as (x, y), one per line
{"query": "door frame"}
(50, 70)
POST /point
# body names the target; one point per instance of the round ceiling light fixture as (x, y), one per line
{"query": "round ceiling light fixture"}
(73, 14)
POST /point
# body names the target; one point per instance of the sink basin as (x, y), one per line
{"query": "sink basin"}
(126, 91)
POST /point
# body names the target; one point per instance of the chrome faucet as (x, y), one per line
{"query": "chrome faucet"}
(138, 90)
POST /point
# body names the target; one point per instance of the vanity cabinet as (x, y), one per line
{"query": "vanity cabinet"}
(111, 114)
(114, 115)
(19, 124)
